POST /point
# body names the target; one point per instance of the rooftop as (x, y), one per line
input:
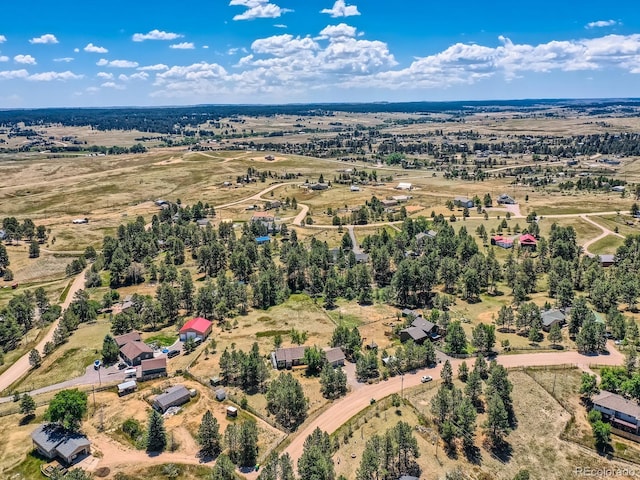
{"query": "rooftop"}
(133, 349)
(127, 337)
(199, 324)
(618, 403)
(287, 355)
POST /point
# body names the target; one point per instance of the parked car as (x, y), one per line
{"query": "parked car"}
(173, 353)
(97, 364)
(426, 378)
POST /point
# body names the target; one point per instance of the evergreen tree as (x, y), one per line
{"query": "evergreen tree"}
(277, 468)
(447, 374)
(110, 350)
(156, 433)
(497, 424)
(315, 462)
(35, 359)
(27, 405)
(286, 401)
(224, 469)
(209, 435)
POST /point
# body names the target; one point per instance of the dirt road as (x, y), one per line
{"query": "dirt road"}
(21, 366)
(342, 410)
(605, 232)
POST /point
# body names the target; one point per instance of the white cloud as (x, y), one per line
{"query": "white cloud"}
(47, 38)
(156, 67)
(24, 59)
(76, 50)
(601, 23)
(91, 48)
(139, 76)
(337, 31)
(50, 76)
(155, 35)
(183, 46)
(105, 75)
(3, 39)
(340, 9)
(11, 74)
(280, 25)
(63, 59)
(113, 85)
(258, 9)
(116, 63)
(205, 46)
(4, 58)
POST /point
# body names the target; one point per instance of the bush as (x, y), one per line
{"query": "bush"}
(132, 428)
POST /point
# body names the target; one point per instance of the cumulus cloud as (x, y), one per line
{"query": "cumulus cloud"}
(337, 31)
(136, 76)
(3, 39)
(280, 25)
(116, 63)
(183, 46)
(63, 59)
(341, 9)
(115, 86)
(601, 23)
(91, 48)
(47, 38)
(105, 75)
(11, 74)
(156, 67)
(4, 58)
(258, 9)
(24, 59)
(51, 76)
(155, 35)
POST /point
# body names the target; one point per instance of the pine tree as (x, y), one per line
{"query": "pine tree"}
(447, 374)
(27, 405)
(209, 436)
(110, 350)
(156, 433)
(497, 424)
(35, 359)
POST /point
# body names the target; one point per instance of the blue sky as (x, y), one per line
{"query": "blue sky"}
(282, 51)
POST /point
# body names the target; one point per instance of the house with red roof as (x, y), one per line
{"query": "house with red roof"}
(528, 241)
(500, 241)
(196, 328)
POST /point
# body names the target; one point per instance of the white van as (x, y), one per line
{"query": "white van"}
(130, 372)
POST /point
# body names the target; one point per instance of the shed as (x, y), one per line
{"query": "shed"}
(156, 367)
(232, 412)
(221, 394)
(404, 186)
(127, 387)
(173, 397)
(196, 328)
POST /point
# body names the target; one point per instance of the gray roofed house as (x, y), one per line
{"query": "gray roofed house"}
(288, 357)
(460, 201)
(623, 413)
(172, 397)
(335, 356)
(53, 441)
(407, 312)
(607, 260)
(413, 333)
(505, 199)
(551, 318)
(423, 324)
(362, 257)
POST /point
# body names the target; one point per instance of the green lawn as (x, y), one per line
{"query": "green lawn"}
(608, 244)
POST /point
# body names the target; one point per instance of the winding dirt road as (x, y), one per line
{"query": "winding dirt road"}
(21, 366)
(605, 232)
(342, 410)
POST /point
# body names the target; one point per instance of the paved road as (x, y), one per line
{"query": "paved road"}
(22, 366)
(605, 232)
(342, 410)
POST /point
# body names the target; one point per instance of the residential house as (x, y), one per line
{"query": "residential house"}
(551, 318)
(404, 186)
(389, 203)
(318, 186)
(133, 353)
(51, 441)
(172, 397)
(362, 257)
(401, 198)
(335, 356)
(202, 222)
(153, 368)
(503, 242)
(288, 357)
(505, 199)
(619, 411)
(196, 328)
(122, 340)
(528, 241)
(607, 260)
(407, 312)
(263, 217)
(463, 202)
(413, 333)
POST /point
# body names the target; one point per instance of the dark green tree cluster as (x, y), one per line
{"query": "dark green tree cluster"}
(367, 367)
(286, 401)
(277, 467)
(333, 382)
(68, 408)
(242, 442)
(389, 456)
(348, 339)
(246, 370)
(316, 461)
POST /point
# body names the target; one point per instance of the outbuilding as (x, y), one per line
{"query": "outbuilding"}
(196, 328)
(126, 388)
(172, 397)
(335, 356)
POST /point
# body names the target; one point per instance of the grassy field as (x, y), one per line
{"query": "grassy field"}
(608, 244)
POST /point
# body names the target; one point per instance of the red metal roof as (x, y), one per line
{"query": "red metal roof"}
(199, 324)
(528, 238)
